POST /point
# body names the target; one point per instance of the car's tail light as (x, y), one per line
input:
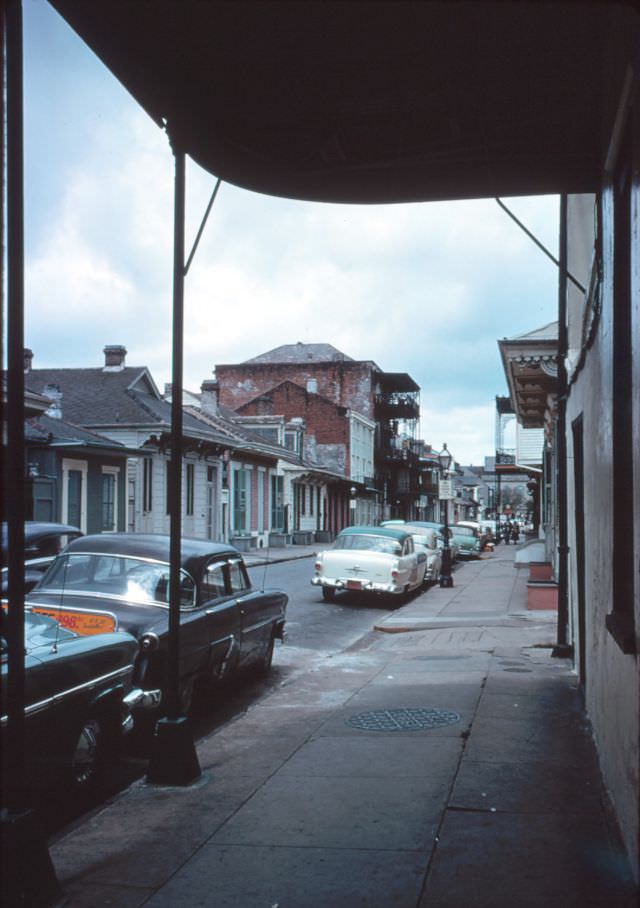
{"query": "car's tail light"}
(318, 565)
(394, 575)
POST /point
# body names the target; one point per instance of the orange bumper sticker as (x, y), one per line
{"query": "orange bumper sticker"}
(83, 623)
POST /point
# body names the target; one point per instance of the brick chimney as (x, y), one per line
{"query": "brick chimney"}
(114, 355)
(209, 397)
(28, 359)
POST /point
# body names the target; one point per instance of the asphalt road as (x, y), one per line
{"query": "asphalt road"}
(315, 629)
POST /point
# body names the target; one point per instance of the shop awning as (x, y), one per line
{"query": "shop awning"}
(368, 102)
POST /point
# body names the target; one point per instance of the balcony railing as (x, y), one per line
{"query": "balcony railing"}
(397, 455)
(397, 407)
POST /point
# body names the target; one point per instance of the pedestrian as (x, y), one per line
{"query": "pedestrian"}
(515, 532)
(507, 532)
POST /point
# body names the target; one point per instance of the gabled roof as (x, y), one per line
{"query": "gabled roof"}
(99, 397)
(546, 333)
(50, 432)
(105, 399)
(301, 353)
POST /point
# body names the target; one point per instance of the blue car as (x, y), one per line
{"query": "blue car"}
(79, 694)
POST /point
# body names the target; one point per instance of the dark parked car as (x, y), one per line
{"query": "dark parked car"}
(78, 699)
(224, 623)
(42, 542)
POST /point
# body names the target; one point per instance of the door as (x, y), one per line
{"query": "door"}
(256, 612)
(223, 618)
(74, 493)
(277, 504)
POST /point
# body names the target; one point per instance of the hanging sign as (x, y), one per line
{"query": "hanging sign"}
(445, 489)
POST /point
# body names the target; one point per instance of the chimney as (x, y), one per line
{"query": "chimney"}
(209, 397)
(28, 359)
(54, 394)
(114, 355)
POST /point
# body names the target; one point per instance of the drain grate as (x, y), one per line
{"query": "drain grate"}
(407, 719)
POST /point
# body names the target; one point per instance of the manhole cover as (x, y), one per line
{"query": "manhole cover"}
(410, 719)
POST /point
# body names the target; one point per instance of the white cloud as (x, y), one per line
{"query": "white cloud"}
(423, 288)
(467, 431)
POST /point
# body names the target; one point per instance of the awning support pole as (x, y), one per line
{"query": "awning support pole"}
(26, 872)
(563, 648)
(173, 759)
(202, 226)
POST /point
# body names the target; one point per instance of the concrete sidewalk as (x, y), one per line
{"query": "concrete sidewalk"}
(445, 761)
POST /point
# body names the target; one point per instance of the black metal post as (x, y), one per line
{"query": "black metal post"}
(563, 648)
(174, 760)
(27, 875)
(446, 578)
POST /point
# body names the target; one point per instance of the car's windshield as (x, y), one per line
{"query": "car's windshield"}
(369, 543)
(134, 579)
(422, 540)
(463, 531)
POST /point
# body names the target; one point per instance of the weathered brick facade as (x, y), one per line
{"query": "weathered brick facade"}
(346, 383)
(326, 432)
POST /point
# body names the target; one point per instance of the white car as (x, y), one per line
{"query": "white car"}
(380, 560)
(426, 540)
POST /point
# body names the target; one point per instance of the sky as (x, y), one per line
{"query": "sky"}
(424, 288)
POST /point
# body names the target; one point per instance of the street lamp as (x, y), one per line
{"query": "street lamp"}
(445, 459)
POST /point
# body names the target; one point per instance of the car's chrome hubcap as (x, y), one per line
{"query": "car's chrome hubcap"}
(84, 757)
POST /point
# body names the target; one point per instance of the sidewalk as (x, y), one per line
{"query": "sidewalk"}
(443, 762)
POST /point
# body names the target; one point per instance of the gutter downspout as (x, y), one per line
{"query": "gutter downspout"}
(563, 648)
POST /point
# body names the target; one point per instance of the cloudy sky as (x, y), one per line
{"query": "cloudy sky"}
(424, 288)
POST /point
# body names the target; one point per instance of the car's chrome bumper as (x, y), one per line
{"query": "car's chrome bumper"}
(138, 699)
(366, 586)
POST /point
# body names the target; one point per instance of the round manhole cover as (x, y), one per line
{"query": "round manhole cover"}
(409, 719)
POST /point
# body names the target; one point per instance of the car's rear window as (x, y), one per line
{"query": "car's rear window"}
(133, 579)
(369, 543)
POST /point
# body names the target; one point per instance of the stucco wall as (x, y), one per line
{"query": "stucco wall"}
(611, 677)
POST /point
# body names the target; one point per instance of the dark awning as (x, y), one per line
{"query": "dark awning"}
(368, 102)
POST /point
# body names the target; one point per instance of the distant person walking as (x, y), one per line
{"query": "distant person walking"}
(515, 532)
(507, 532)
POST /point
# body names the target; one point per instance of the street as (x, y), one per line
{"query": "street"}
(316, 631)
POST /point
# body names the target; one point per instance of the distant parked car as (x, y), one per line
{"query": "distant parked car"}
(467, 541)
(225, 624)
(78, 696)
(482, 531)
(42, 542)
(429, 524)
(377, 560)
(425, 540)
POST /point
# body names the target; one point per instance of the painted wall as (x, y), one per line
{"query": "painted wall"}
(612, 678)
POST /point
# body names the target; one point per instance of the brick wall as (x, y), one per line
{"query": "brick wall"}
(346, 384)
(326, 425)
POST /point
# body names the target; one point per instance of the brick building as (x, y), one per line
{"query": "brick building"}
(356, 419)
